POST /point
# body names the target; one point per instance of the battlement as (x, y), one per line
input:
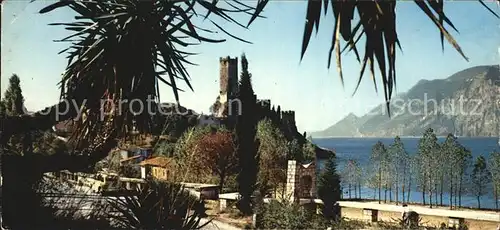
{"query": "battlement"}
(265, 104)
(288, 116)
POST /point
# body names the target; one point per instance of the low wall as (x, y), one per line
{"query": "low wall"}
(474, 219)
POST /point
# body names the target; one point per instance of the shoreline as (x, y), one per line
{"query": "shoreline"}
(387, 137)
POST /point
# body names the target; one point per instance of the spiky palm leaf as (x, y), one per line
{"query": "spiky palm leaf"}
(158, 206)
(377, 23)
(121, 50)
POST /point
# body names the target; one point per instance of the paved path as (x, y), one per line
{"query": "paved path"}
(217, 225)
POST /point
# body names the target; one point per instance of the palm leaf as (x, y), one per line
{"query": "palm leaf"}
(377, 24)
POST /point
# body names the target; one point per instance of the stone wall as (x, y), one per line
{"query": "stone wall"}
(301, 181)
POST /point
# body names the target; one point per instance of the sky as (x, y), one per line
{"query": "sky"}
(308, 86)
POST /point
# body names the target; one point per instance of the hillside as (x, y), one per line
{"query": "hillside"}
(466, 103)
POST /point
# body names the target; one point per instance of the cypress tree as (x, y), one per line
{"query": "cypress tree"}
(246, 129)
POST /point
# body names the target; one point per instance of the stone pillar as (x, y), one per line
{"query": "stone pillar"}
(291, 180)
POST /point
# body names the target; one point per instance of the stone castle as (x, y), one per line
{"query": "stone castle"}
(229, 89)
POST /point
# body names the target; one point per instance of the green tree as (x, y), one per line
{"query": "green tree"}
(102, 24)
(308, 151)
(351, 175)
(294, 150)
(400, 162)
(13, 105)
(427, 150)
(273, 156)
(377, 160)
(246, 129)
(329, 187)
(464, 160)
(13, 98)
(494, 165)
(480, 178)
(450, 152)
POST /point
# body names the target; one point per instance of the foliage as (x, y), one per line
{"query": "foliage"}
(246, 129)
(159, 206)
(377, 24)
(494, 166)
(273, 156)
(400, 161)
(308, 151)
(130, 170)
(216, 154)
(480, 177)
(428, 150)
(294, 150)
(351, 176)
(185, 152)
(108, 33)
(329, 187)
(277, 215)
(12, 105)
(13, 100)
(378, 160)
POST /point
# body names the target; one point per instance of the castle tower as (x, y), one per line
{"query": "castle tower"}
(229, 86)
(228, 76)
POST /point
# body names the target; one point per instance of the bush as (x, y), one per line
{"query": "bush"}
(277, 215)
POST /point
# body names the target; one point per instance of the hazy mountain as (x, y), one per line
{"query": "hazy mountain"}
(467, 104)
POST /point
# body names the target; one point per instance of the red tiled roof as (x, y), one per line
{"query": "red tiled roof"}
(158, 161)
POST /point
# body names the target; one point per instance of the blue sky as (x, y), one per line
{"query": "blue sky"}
(307, 87)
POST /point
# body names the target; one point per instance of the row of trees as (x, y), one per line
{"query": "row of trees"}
(435, 170)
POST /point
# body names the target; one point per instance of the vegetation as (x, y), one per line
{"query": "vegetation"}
(494, 165)
(352, 177)
(273, 155)
(246, 129)
(108, 33)
(159, 206)
(480, 178)
(216, 154)
(394, 170)
(329, 188)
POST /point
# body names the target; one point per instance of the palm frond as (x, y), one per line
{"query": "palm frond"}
(120, 51)
(377, 24)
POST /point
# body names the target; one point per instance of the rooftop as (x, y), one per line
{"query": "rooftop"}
(158, 162)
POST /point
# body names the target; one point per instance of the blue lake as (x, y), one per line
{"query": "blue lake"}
(359, 149)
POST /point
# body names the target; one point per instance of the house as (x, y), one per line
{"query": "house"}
(160, 168)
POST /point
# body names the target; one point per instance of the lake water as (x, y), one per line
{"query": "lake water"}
(359, 149)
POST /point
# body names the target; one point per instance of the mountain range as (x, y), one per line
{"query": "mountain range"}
(466, 103)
